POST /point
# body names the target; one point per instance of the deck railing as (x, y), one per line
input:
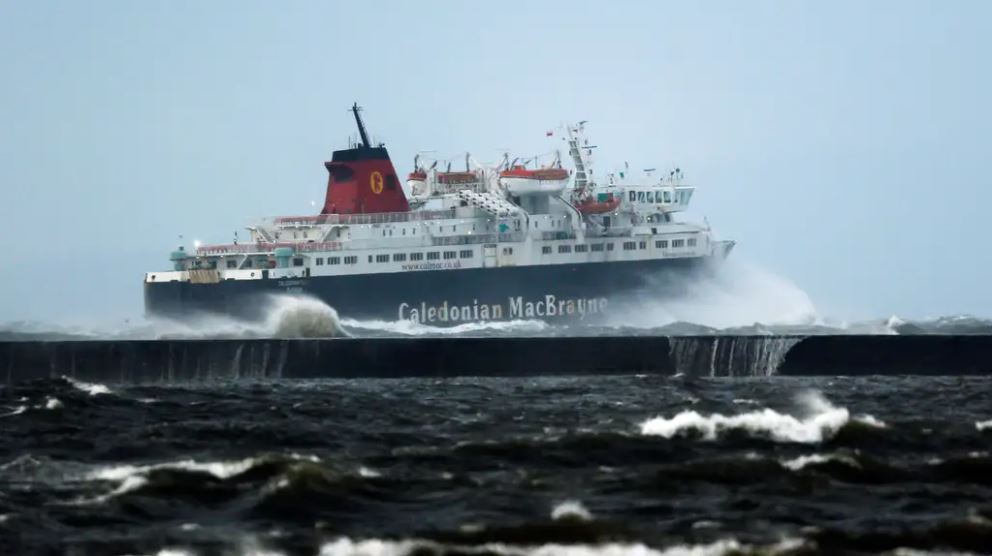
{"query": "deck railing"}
(376, 218)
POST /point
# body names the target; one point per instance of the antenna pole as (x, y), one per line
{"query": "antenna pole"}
(361, 126)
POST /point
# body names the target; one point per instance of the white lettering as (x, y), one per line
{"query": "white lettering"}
(519, 307)
(516, 307)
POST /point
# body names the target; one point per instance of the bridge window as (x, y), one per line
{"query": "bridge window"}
(668, 197)
(546, 250)
(629, 246)
(382, 258)
(596, 247)
(564, 248)
(677, 243)
(320, 261)
(448, 255)
(416, 256)
(691, 242)
(334, 260)
(640, 196)
(661, 244)
(632, 196)
(609, 246)
(298, 261)
(507, 250)
(642, 245)
(352, 259)
(232, 263)
(581, 248)
(399, 257)
(651, 196)
(433, 256)
(465, 254)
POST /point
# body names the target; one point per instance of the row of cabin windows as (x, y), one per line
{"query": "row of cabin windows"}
(676, 243)
(351, 259)
(402, 257)
(660, 196)
(413, 232)
(581, 248)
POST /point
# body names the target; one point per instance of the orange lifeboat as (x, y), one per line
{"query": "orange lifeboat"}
(607, 202)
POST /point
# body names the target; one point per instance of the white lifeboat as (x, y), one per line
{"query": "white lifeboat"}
(520, 180)
(416, 183)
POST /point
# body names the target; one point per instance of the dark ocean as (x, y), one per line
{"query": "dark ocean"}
(610, 466)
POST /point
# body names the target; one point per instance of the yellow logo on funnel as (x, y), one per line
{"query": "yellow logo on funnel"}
(375, 182)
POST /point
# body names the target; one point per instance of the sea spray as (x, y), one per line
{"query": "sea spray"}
(737, 294)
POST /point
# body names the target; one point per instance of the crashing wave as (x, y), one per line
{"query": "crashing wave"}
(571, 509)
(982, 425)
(132, 477)
(798, 463)
(823, 422)
(93, 389)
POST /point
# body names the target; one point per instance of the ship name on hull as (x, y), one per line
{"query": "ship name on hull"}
(517, 307)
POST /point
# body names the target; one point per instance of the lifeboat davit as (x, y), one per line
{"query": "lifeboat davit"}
(605, 203)
(519, 180)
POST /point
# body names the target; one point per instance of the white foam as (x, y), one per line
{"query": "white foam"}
(982, 425)
(219, 469)
(823, 422)
(738, 294)
(571, 509)
(128, 484)
(800, 462)
(52, 403)
(16, 411)
(378, 547)
(131, 477)
(410, 328)
(95, 389)
(368, 472)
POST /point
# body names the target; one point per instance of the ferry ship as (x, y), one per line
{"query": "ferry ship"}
(522, 239)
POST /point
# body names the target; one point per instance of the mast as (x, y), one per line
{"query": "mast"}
(361, 126)
(582, 161)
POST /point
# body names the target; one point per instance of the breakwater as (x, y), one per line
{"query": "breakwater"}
(185, 360)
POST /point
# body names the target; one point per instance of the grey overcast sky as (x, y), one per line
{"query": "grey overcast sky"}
(845, 145)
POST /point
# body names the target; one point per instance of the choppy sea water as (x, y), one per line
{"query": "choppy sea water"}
(608, 466)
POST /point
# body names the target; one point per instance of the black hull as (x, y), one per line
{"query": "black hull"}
(588, 292)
